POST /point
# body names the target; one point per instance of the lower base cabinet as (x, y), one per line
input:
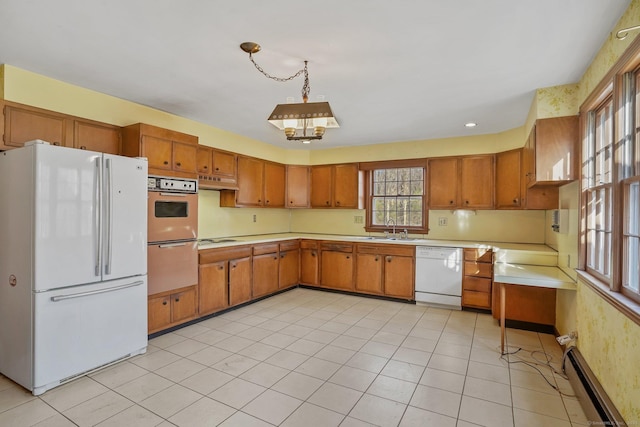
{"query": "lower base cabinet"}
(289, 265)
(337, 266)
(385, 270)
(478, 278)
(172, 308)
(224, 278)
(265, 269)
(309, 263)
(526, 304)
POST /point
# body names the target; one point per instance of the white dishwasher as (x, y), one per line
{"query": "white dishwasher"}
(439, 276)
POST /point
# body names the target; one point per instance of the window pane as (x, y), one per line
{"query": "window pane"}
(378, 189)
(392, 175)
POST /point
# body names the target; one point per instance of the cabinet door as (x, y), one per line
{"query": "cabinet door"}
(297, 186)
(213, 292)
(158, 152)
(309, 266)
(250, 182)
(337, 270)
(184, 305)
(224, 164)
(345, 186)
(321, 186)
(508, 176)
(274, 177)
(399, 276)
(265, 274)
(96, 137)
(159, 313)
(26, 124)
(443, 183)
(204, 159)
(239, 281)
(369, 273)
(556, 142)
(289, 268)
(185, 157)
(476, 182)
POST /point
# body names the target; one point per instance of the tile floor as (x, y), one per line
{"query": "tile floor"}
(311, 358)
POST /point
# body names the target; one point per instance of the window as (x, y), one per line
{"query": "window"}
(611, 183)
(396, 196)
(597, 185)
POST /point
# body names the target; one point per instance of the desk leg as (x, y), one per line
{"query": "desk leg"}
(502, 317)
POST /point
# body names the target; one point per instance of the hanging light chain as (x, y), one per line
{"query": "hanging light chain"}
(306, 87)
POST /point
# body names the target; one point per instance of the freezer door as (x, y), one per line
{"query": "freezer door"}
(125, 217)
(79, 329)
(66, 216)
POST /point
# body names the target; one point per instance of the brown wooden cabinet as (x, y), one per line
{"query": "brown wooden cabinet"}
(289, 266)
(337, 266)
(265, 269)
(385, 270)
(335, 186)
(297, 194)
(551, 152)
(213, 286)
(168, 152)
(461, 182)
(216, 168)
(240, 280)
(24, 123)
(309, 263)
(512, 191)
(477, 279)
(260, 184)
(172, 308)
(224, 278)
(529, 304)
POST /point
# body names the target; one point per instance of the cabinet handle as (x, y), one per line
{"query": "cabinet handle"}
(178, 164)
(327, 203)
(313, 254)
(165, 162)
(450, 202)
(376, 259)
(164, 302)
(515, 201)
(267, 202)
(177, 299)
(389, 259)
(290, 202)
(466, 202)
(259, 200)
(217, 169)
(282, 256)
(56, 143)
(348, 257)
(83, 147)
(206, 167)
(337, 203)
(233, 266)
(220, 267)
(275, 257)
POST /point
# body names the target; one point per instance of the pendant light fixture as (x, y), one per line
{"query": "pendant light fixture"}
(310, 118)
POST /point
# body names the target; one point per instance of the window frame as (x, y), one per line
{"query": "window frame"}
(369, 168)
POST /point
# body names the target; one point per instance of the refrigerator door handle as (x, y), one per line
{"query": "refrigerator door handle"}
(98, 214)
(108, 223)
(100, 291)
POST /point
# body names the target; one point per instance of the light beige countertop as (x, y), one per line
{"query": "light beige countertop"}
(532, 275)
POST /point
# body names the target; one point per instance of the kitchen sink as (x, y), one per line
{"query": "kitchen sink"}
(213, 241)
(409, 239)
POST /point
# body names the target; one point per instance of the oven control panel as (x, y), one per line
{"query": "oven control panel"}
(172, 185)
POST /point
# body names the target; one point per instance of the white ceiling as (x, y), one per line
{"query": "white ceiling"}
(392, 70)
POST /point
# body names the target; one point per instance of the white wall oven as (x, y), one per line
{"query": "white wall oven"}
(172, 250)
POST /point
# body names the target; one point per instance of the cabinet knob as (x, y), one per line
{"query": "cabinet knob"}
(282, 255)
(450, 202)
(313, 254)
(376, 259)
(56, 143)
(348, 257)
(275, 257)
(389, 259)
(178, 164)
(515, 200)
(267, 202)
(259, 200)
(177, 299)
(83, 147)
(233, 265)
(220, 267)
(206, 167)
(217, 169)
(165, 162)
(337, 202)
(164, 302)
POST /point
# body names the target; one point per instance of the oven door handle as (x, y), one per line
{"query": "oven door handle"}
(172, 245)
(175, 194)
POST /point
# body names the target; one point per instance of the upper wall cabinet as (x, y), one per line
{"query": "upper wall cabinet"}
(169, 152)
(217, 169)
(336, 186)
(461, 182)
(551, 152)
(297, 194)
(260, 184)
(24, 123)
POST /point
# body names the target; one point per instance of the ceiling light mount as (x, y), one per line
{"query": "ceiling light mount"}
(311, 117)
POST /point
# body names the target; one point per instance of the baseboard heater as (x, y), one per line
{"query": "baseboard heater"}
(594, 400)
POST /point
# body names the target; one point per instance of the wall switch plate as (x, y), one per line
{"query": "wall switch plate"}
(358, 219)
(442, 221)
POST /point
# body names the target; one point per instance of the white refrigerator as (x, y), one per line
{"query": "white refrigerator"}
(73, 262)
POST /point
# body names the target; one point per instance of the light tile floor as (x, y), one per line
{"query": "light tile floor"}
(311, 358)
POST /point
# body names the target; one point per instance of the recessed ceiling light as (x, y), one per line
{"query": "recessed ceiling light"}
(470, 125)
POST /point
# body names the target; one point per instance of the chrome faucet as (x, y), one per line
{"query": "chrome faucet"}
(390, 220)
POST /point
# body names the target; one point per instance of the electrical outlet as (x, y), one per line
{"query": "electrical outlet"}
(442, 221)
(358, 219)
(254, 218)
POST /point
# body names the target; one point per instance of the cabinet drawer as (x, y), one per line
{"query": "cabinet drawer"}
(309, 244)
(476, 299)
(289, 246)
(479, 269)
(336, 247)
(479, 254)
(268, 248)
(386, 249)
(480, 284)
(215, 255)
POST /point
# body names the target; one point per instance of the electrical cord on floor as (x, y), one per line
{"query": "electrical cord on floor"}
(537, 362)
